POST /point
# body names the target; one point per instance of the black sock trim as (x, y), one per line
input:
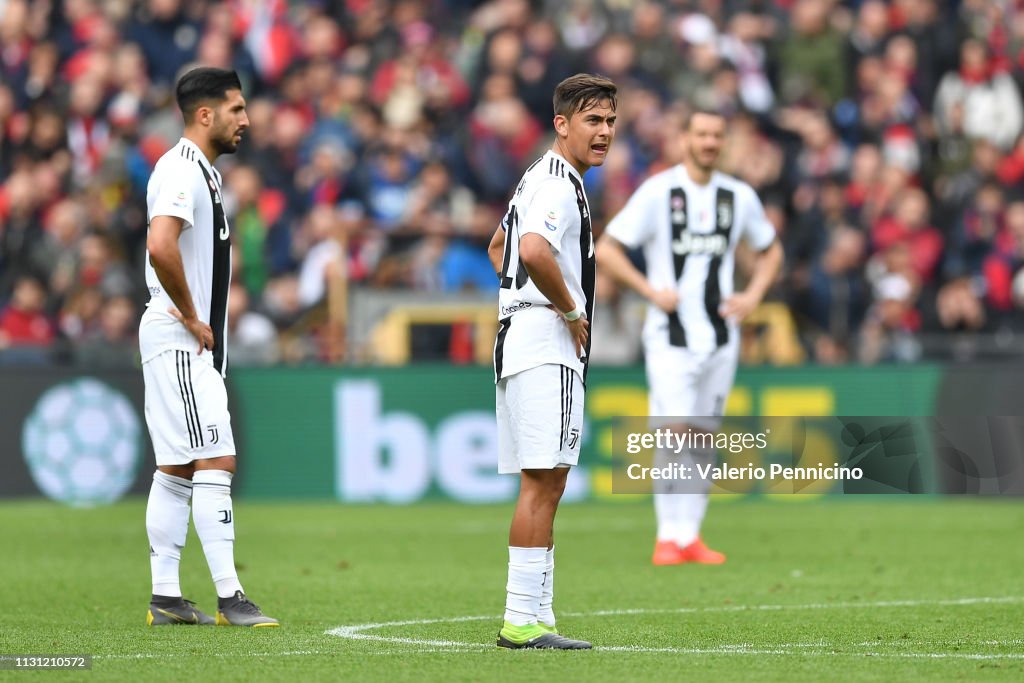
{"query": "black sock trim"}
(165, 600)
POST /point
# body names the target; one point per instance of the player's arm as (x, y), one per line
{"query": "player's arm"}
(767, 264)
(496, 250)
(535, 252)
(541, 266)
(613, 260)
(760, 234)
(165, 257)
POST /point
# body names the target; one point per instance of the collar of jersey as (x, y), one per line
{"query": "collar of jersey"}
(202, 158)
(572, 169)
(685, 179)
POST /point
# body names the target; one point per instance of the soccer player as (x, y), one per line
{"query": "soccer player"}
(544, 256)
(688, 220)
(183, 339)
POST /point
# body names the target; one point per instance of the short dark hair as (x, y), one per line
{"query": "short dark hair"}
(204, 84)
(707, 111)
(581, 92)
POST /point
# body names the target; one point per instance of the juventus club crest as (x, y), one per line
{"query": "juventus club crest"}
(724, 215)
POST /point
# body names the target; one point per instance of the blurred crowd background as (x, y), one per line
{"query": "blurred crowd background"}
(885, 139)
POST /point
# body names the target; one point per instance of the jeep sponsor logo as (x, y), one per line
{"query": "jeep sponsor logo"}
(690, 243)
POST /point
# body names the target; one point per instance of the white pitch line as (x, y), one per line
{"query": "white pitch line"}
(828, 650)
(955, 642)
(357, 631)
(779, 649)
(944, 655)
(792, 649)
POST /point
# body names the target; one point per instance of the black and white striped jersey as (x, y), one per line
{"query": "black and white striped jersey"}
(689, 234)
(185, 185)
(549, 201)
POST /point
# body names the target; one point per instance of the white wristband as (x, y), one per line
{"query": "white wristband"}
(574, 315)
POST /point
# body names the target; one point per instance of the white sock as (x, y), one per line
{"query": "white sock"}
(167, 527)
(215, 524)
(547, 594)
(690, 514)
(665, 511)
(525, 577)
(665, 501)
(691, 507)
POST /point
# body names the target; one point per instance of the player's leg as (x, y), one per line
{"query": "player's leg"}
(531, 565)
(167, 510)
(690, 510)
(672, 376)
(215, 524)
(568, 457)
(716, 379)
(529, 541)
(540, 422)
(666, 504)
(529, 537)
(212, 509)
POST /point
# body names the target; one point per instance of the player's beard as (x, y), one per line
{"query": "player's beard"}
(695, 158)
(224, 141)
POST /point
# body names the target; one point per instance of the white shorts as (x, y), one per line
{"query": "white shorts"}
(689, 384)
(186, 409)
(540, 419)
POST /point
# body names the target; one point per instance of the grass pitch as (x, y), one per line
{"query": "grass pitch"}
(855, 589)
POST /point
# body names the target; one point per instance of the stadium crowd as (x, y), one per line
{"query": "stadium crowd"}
(885, 139)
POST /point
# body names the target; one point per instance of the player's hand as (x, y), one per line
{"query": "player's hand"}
(580, 331)
(200, 330)
(666, 299)
(739, 306)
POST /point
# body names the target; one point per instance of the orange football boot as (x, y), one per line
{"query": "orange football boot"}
(666, 553)
(701, 554)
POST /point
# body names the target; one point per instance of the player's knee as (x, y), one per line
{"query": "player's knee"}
(558, 485)
(543, 486)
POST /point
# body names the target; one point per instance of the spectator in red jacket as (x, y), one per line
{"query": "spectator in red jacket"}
(22, 322)
(1004, 267)
(1010, 170)
(421, 73)
(908, 225)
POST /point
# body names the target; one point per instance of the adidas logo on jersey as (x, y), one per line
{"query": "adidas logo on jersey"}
(690, 243)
